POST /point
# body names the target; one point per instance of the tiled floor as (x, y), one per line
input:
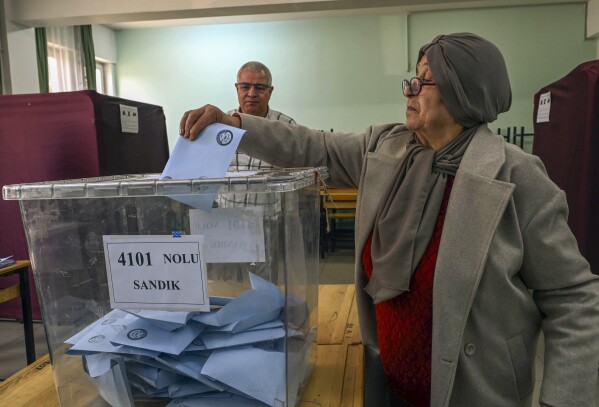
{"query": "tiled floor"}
(335, 268)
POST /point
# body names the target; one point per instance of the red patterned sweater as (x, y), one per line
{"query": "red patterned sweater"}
(404, 323)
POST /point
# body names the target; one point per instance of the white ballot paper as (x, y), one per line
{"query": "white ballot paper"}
(250, 305)
(141, 388)
(191, 366)
(215, 340)
(208, 156)
(155, 377)
(232, 235)
(186, 388)
(233, 356)
(99, 363)
(97, 339)
(236, 327)
(216, 400)
(114, 317)
(114, 386)
(169, 320)
(249, 377)
(142, 334)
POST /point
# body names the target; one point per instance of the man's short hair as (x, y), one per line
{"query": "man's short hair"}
(256, 66)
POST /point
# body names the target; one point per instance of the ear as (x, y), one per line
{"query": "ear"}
(270, 91)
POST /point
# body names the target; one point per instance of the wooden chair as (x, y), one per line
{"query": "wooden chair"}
(337, 204)
(21, 289)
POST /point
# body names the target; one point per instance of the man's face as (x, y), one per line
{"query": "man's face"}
(253, 99)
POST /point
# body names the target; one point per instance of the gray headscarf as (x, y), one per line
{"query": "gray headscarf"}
(471, 75)
(472, 79)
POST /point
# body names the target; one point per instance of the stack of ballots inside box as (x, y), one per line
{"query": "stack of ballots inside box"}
(231, 356)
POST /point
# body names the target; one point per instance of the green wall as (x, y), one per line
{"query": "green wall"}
(342, 72)
(540, 44)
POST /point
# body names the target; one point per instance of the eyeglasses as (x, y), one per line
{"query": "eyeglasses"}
(260, 87)
(413, 87)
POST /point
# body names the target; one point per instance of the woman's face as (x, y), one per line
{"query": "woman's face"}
(427, 112)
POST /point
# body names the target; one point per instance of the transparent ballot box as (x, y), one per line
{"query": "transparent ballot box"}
(198, 292)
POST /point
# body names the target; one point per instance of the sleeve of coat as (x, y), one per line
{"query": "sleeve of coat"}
(289, 145)
(567, 294)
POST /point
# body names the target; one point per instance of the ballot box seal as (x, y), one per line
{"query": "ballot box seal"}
(224, 137)
(137, 334)
(96, 339)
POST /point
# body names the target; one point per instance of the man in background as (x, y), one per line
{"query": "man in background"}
(254, 89)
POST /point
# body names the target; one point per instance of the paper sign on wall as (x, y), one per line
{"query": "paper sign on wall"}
(156, 272)
(544, 107)
(232, 235)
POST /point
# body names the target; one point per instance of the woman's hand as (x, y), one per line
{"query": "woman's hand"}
(194, 121)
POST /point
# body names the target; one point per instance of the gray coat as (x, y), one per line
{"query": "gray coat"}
(508, 266)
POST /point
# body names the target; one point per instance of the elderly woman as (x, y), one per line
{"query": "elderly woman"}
(463, 250)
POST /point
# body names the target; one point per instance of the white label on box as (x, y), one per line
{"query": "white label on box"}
(156, 272)
(544, 107)
(232, 235)
(129, 119)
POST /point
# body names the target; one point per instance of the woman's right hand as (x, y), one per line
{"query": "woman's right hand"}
(194, 121)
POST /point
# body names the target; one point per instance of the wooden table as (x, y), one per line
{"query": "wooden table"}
(336, 203)
(21, 267)
(337, 379)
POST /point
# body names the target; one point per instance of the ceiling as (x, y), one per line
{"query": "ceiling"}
(119, 14)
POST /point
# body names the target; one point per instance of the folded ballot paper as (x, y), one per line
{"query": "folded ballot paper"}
(233, 355)
(206, 157)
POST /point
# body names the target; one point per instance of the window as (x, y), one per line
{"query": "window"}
(1, 73)
(65, 64)
(100, 78)
(104, 77)
(4, 83)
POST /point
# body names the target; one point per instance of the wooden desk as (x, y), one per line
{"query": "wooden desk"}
(21, 267)
(336, 203)
(337, 379)
(339, 198)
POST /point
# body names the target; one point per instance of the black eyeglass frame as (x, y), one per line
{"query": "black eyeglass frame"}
(414, 86)
(260, 87)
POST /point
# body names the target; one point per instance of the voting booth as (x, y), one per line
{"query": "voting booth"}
(197, 292)
(566, 130)
(54, 136)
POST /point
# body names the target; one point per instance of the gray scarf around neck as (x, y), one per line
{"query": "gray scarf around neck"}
(405, 221)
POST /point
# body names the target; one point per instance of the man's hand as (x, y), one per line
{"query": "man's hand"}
(194, 121)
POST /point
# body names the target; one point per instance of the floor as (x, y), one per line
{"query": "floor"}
(12, 346)
(336, 268)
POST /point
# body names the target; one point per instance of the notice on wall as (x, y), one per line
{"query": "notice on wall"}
(157, 272)
(232, 235)
(129, 119)
(544, 107)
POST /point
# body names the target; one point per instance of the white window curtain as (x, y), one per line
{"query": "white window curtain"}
(65, 59)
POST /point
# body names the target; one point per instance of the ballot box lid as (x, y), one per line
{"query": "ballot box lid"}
(139, 185)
